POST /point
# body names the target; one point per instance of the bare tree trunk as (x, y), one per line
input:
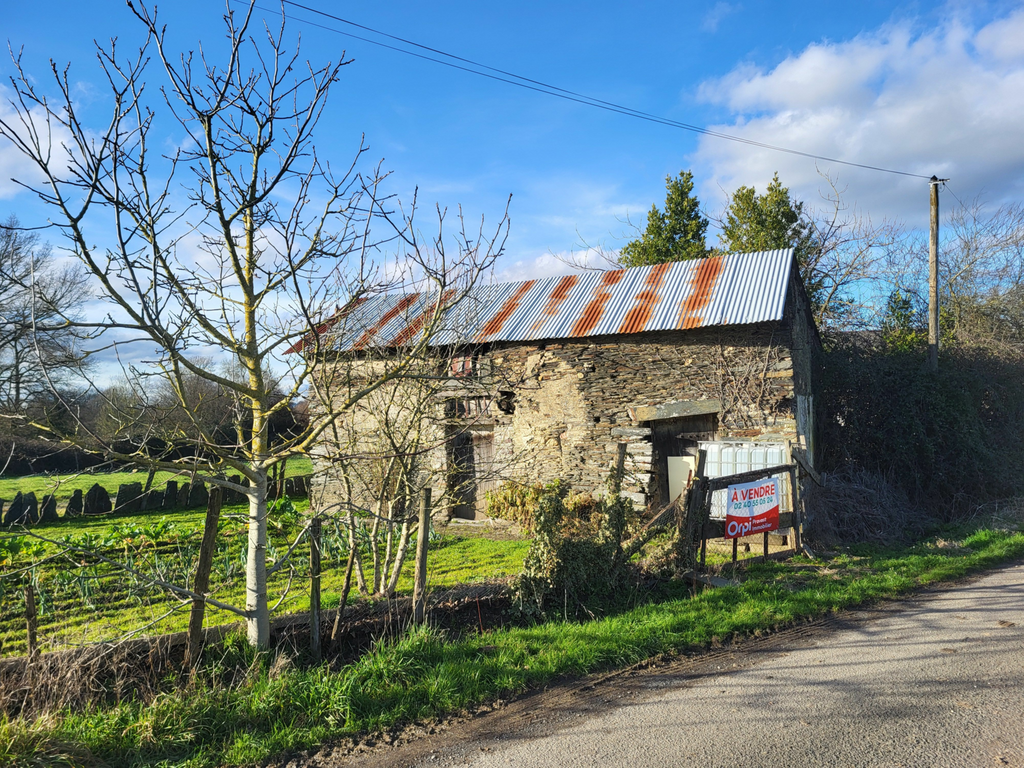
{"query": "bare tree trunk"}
(389, 544)
(375, 546)
(314, 588)
(257, 609)
(344, 593)
(400, 555)
(202, 581)
(353, 550)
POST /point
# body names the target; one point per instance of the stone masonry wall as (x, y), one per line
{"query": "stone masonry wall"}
(575, 400)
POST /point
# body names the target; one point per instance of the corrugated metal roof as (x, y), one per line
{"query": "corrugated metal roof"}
(732, 289)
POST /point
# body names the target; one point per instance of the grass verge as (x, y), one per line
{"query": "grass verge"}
(279, 707)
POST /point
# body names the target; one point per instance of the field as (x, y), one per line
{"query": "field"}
(63, 486)
(82, 599)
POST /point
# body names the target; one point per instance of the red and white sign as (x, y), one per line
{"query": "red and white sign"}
(752, 508)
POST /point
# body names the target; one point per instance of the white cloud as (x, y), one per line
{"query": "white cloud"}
(1004, 39)
(554, 264)
(948, 101)
(715, 15)
(13, 163)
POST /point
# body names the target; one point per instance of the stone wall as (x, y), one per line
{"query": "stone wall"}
(575, 400)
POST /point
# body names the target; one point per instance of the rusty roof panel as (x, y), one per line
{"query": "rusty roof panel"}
(731, 289)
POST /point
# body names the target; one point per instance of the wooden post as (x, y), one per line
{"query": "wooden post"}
(798, 519)
(698, 475)
(419, 593)
(766, 546)
(31, 621)
(315, 533)
(735, 552)
(207, 549)
(620, 467)
(933, 278)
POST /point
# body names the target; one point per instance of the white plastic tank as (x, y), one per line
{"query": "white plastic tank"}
(726, 457)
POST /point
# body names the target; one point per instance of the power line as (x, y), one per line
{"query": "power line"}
(946, 185)
(539, 86)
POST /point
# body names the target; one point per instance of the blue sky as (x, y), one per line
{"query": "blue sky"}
(918, 87)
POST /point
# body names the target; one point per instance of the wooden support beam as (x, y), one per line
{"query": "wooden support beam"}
(720, 483)
(800, 457)
(31, 624)
(201, 585)
(797, 516)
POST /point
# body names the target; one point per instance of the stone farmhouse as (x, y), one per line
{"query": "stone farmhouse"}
(718, 353)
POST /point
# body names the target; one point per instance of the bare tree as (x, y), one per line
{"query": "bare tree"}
(35, 295)
(981, 274)
(982, 270)
(400, 439)
(240, 242)
(845, 262)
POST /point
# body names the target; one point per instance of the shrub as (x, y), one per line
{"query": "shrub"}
(944, 437)
(576, 552)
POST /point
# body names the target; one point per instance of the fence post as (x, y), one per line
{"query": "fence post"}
(30, 620)
(797, 516)
(420, 589)
(315, 532)
(202, 582)
(620, 468)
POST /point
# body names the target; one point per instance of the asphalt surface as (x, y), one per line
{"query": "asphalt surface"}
(937, 680)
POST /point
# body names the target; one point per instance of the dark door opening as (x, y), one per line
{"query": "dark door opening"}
(674, 444)
(472, 475)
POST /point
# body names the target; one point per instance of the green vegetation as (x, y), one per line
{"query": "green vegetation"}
(280, 707)
(946, 437)
(677, 234)
(63, 486)
(576, 553)
(80, 598)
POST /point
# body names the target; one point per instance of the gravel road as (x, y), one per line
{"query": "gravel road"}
(931, 681)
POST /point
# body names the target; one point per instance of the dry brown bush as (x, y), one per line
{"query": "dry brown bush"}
(858, 506)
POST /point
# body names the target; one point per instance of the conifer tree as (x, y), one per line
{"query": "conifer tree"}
(677, 234)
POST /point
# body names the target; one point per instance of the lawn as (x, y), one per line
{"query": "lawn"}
(63, 486)
(83, 600)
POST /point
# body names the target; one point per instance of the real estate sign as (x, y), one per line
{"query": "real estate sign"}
(752, 508)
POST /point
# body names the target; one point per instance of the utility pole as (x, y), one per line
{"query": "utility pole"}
(933, 277)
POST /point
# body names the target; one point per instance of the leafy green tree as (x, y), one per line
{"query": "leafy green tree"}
(903, 325)
(766, 222)
(773, 220)
(677, 234)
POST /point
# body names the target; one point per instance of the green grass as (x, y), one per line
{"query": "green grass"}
(80, 600)
(63, 486)
(427, 674)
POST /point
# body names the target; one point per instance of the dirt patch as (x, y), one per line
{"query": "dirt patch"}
(107, 673)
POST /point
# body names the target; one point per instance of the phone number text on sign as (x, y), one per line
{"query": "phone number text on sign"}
(752, 508)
